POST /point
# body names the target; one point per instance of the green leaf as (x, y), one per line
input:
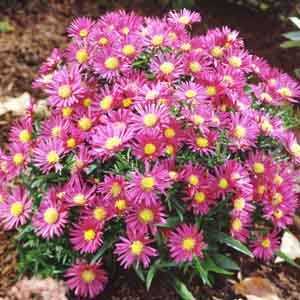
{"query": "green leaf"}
(139, 272)
(150, 275)
(290, 44)
(203, 273)
(182, 289)
(171, 222)
(210, 266)
(296, 21)
(235, 244)
(287, 259)
(293, 35)
(226, 262)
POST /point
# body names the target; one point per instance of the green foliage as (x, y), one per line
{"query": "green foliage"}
(5, 26)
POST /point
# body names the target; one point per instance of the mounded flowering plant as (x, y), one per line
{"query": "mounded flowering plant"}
(161, 150)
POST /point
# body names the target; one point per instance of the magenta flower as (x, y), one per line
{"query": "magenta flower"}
(184, 17)
(190, 92)
(86, 280)
(55, 127)
(239, 227)
(112, 187)
(16, 210)
(21, 131)
(80, 28)
(86, 236)
(51, 217)
(47, 154)
(185, 243)
(134, 249)
(65, 89)
(265, 246)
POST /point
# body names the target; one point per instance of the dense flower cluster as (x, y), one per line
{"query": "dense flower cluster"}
(146, 91)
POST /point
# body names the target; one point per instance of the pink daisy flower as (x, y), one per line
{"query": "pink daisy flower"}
(47, 154)
(65, 89)
(112, 187)
(190, 92)
(239, 227)
(194, 175)
(287, 88)
(145, 219)
(22, 131)
(52, 216)
(196, 63)
(183, 17)
(86, 236)
(167, 67)
(238, 59)
(55, 127)
(121, 118)
(108, 140)
(291, 144)
(265, 246)
(82, 158)
(79, 54)
(16, 210)
(185, 243)
(134, 249)
(80, 28)
(144, 188)
(86, 280)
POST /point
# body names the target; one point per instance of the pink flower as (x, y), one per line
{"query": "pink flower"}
(134, 249)
(184, 17)
(86, 236)
(265, 246)
(86, 280)
(47, 154)
(52, 216)
(80, 28)
(185, 243)
(112, 187)
(22, 131)
(16, 210)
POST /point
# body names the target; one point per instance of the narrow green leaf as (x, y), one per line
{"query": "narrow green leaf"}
(293, 35)
(287, 259)
(150, 276)
(296, 21)
(290, 44)
(226, 262)
(235, 244)
(139, 272)
(201, 271)
(182, 289)
(210, 266)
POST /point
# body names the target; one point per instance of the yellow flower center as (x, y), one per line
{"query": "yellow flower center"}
(184, 20)
(217, 52)
(261, 189)
(87, 102)
(285, 92)
(278, 180)
(188, 244)
(18, 159)
(228, 80)
(295, 149)
(121, 204)
(67, 111)
(266, 243)
(266, 126)
(239, 132)
(266, 97)
(112, 143)
(85, 123)
(146, 215)
(150, 120)
(89, 235)
(277, 199)
(106, 102)
(88, 276)
(25, 136)
(211, 91)
(64, 91)
(172, 35)
(16, 209)
(51, 216)
(103, 41)
(79, 199)
(116, 189)
(99, 213)
(71, 142)
(112, 63)
(128, 50)
(202, 142)
(127, 102)
(55, 131)
(223, 183)
(157, 40)
(167, 67)
(235, 61)
(193, 180)
(186, 47)
(149, 149)
(82, 56)
(125, 30)
(197, 119)
(258, 168)
(137, 248)
(173, 175)
(236, 224)
(147, 183)
(278, 213)
(239, 203)
(52, 157)
(83, 33)
(170, 150)
(190, 94)
(195, 67)
(169, 133)
(200, 197)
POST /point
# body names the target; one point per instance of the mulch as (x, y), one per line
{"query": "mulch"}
(39, 26)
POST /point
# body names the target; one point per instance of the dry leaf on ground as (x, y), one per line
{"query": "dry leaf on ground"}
(290, 246)
(16, 105)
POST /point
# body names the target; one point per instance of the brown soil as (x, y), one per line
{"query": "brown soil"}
(39, 26)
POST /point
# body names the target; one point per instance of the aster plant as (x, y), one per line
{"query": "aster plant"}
(161, 150)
